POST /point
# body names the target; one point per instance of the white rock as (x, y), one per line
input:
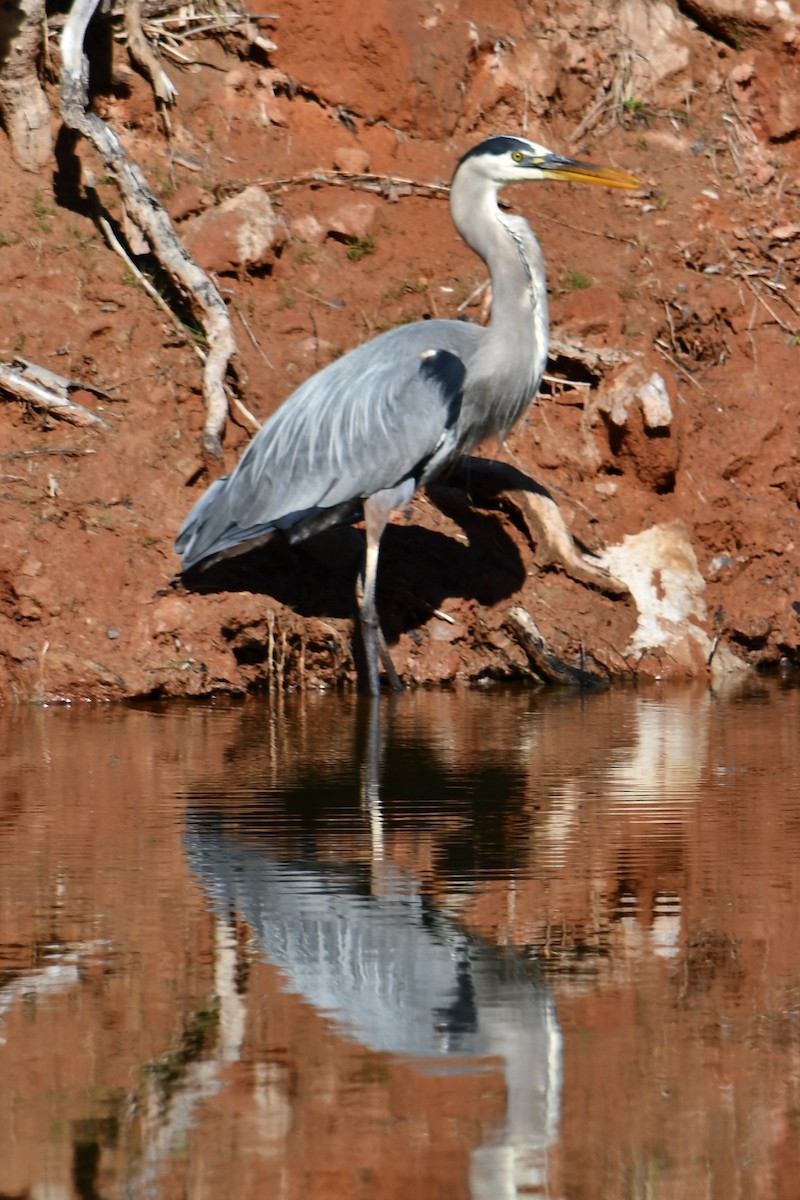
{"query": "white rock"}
(654, 399)
(660, 567)
(628, 387)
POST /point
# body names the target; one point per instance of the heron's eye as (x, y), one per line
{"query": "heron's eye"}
(517, 156)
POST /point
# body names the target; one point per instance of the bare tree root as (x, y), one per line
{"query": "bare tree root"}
(147, 213)
(23, 104)
(144, 55)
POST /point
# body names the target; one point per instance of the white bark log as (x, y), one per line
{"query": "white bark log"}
(24, 109)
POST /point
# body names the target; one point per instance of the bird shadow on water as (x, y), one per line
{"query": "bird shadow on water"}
(420, 568)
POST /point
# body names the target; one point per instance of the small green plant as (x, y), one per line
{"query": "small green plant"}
(128, 277)
(634, 105)
(361, 248)
(628, 292)
(305, 254)
(7, 239)
(42, 213)
(287, 300)
(83, 239)
(574, 281)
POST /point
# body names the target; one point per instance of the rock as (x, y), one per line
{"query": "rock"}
(242, 233)
(659, 36)
(307, 228)
(639, 427)
(353, 159)
(729, 18)
(654, 399)
(237, 79)
(188, 201)
(353, 220)
(633, 386)
(512, 77)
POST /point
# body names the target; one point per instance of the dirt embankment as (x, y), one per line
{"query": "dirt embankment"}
(667, 431)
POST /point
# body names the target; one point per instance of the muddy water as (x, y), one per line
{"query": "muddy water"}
(493, 944)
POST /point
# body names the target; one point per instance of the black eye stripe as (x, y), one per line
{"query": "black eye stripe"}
(498, 145)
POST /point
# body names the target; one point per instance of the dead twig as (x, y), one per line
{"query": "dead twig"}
(252, 336)
(662, 350)
(69, 451)
(792, 331)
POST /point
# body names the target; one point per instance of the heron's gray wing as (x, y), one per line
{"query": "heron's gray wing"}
(380, 415)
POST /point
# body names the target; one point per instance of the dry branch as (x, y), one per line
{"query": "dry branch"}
(45, 389)
(147, 213)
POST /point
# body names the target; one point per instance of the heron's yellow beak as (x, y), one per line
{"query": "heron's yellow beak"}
(556, 166)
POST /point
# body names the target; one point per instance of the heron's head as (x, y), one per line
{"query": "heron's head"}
(505, 160)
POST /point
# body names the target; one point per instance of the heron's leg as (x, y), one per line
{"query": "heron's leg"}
(376, 514)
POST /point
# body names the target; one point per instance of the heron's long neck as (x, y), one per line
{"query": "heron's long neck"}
(513, 355)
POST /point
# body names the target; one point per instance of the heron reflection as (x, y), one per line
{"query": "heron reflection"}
(364, 945)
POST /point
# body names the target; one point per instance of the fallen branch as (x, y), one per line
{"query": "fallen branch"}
(390, 186)
(144, 209)
(44, 389)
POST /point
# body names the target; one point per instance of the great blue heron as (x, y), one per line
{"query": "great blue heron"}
(359, 437)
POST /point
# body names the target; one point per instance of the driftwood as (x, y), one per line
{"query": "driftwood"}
(522, 626)
(542, 517)
(23, 104)
(44, 389)
(144, 209)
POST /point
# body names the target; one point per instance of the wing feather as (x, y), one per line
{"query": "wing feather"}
(384, 413)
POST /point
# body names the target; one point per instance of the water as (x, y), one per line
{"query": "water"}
(493, 945)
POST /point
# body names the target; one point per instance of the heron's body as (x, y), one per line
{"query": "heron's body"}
(360, 436)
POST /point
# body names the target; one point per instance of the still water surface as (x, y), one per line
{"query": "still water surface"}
(491, 944)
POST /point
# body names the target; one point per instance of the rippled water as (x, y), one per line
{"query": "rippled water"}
(481, 945)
